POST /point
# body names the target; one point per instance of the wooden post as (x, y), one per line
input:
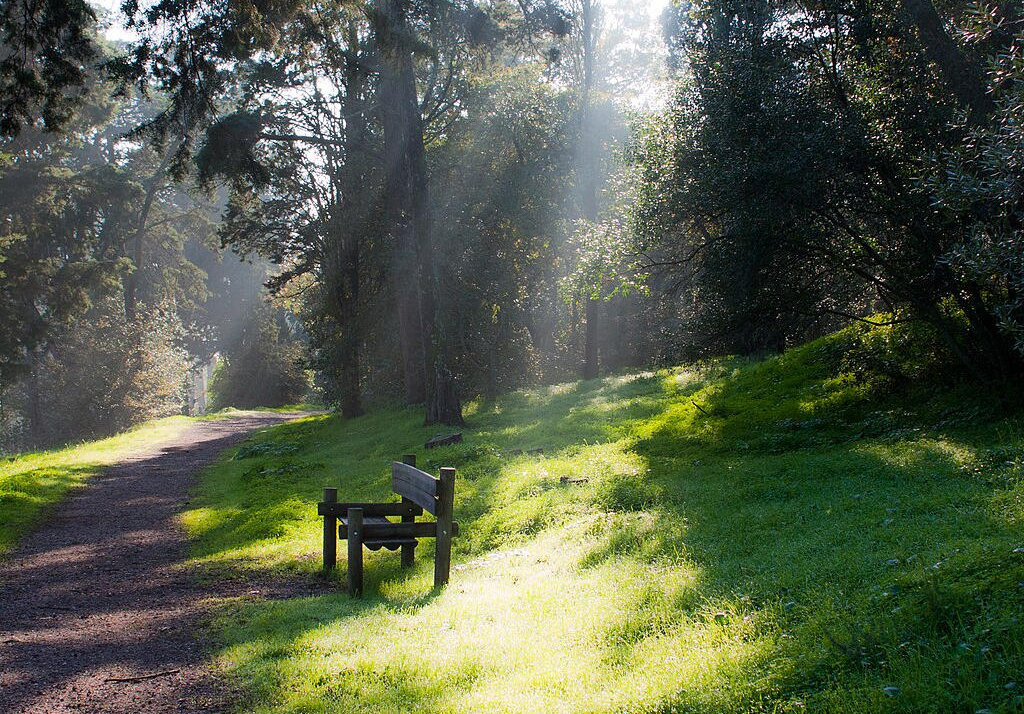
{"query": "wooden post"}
(445, 507)
(408, 551)
(330, 531)
(355, 551)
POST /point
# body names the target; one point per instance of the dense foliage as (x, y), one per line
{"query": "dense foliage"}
(262, 366)
(458, 198)
(981, 181)
(47, 51)
(785, 186)
(111, 294)
(103, 374)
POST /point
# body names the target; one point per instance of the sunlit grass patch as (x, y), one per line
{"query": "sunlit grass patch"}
(590, 633)
(32, 482)
(286, 409)
(726, 537)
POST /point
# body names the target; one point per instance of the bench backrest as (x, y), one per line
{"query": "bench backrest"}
(418, 486)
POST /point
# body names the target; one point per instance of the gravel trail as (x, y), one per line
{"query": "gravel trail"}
(95, 613)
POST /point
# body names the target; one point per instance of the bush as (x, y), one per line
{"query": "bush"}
(898, 355)
(981, 182)
(104, 374)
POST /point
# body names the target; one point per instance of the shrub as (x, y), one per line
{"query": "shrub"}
(104, 374)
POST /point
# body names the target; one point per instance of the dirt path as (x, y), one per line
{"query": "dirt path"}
(95, 595)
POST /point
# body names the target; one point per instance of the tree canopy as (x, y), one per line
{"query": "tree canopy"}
(449, 198)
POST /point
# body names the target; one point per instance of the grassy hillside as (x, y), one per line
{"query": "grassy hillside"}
(724, 537)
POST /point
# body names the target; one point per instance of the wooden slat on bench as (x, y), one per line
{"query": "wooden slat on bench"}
(376, 542)
(378, 530)
(418, 486)
(382, 529)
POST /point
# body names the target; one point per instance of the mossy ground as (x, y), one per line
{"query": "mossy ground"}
(726, 537)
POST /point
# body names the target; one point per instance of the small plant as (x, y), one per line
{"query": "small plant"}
(264, 449)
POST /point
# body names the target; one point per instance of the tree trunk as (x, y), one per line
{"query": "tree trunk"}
(343, 279)
(410, 329)
(963, 76)
(994, 350)
(590, 354)
(344, 242)
(131, 286)
(587, 179)
(36, 428)
(408, 205)
(388, 22)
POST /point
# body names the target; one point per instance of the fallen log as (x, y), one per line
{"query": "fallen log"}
(443, 440)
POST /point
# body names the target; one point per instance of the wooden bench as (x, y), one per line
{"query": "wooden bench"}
(368, 524)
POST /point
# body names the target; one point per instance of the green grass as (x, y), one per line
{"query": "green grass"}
(33, 482)
(733, 537)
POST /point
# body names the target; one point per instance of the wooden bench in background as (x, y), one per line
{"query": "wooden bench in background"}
(368, 524)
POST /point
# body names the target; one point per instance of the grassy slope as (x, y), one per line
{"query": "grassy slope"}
(788, 546)
(29, 483)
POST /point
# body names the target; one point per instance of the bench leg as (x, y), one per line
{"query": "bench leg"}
(408, 555)
(442, 557)
(330, 532)
(355, 551)
(445, 501)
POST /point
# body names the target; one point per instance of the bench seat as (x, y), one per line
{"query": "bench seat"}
(389, 543)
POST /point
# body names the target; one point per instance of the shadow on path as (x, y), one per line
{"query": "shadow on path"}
(96, 594)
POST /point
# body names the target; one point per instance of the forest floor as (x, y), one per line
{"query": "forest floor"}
(97, 612)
